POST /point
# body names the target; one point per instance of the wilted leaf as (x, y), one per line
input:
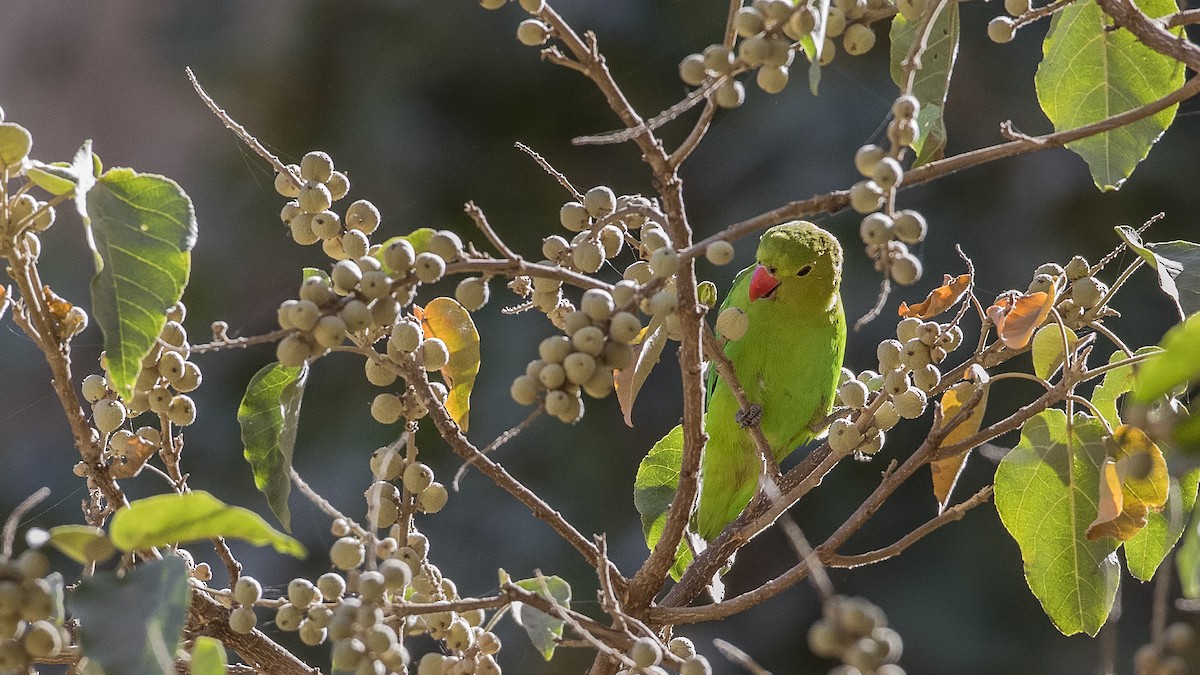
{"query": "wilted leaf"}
(939, 299)
(932, 80)
(1177, 264)
(269, 416)
(82, 543)
(947, 470)
(1017, 315)
(168, 519)
(130, 456)
(133, 623)
(1048, 348)
(143, 228)
(1179, 362)
(1133, 482)
(445, 319)
(543, 630)
(1046, 497)
(1090, 72)
(629, 381)
(653, 489)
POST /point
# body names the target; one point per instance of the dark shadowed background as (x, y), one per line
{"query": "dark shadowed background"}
(420, 103)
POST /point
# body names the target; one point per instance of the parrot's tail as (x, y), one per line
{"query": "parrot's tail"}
(727, 484)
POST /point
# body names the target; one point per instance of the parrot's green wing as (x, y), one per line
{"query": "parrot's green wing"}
(742, 279)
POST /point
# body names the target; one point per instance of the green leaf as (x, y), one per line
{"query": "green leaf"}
(932, 80)
(419, 238)
(543, 630)
(1116, 383)
(1187, 561)
(269, 416)
(132, 624)
(1177, 264)
(653, 489)
(144, 228)
(15, 143)
(82, 543)
(57, 178)
(1149, 547)
(1179, 362)
(208, 657)
(1048, 349)
(1090, 73)
(164, 520)
(1046, 492)
(314, 272)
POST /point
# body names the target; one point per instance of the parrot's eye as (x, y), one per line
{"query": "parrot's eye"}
(804, 271)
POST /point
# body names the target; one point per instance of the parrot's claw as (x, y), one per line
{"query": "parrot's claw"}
(750, 415)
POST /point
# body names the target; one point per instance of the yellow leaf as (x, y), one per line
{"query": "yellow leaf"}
(939, 299)
(946, 470)
(1133, 483)
(448, 321)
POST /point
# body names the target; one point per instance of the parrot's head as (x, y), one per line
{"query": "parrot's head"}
(799, 264)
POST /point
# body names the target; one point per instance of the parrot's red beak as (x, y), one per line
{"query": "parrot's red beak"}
(762, 284)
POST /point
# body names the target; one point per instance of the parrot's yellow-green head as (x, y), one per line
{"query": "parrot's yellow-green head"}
(799, 264)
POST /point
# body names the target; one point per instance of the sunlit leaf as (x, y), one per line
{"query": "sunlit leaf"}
(15, 143)
(269, 416)
(133, 623)
(947, 470)
(57, 178)
(653, 489)
(1150, 546)
(1017, 315)
(1187, 561)
(939, 299)
(1178, 363)
(932, 80)
(208, 657)
(143, 228)
(1091, 72)
(1048, 348)
(314, 272)
(543, 630)
(82, 543)
(629, 381)
(419, 239)
(1134, 482)
(1177, 264)
(1046, 498)
(448, 321)
(1117, 382)
(169, 519)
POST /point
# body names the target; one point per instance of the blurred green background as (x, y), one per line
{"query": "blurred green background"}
(421, 103)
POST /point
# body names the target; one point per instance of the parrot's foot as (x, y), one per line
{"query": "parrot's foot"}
(750, 415)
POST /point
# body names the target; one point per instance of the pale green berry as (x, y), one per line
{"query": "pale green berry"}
(533, 6)
(886, 416)
(908, 329)
(316, 166)
(600, 201)
(624, 327)
(903, 132)
(573, 216)
(108, 414)
(611, 239)
(399, 256)
(301, 230)
(288, 617)
(639, 272)
(347, 553)
(754, 50)
(910, 403)
(429, 267)
(289, 211)
(488, 4)
(910, 227)
(695, 665)
(779, 54)
(417, 477)
(1088, 291)
(242, 620)
(433, 498)
(663, 302)
(1078, 268)
(555, 248)
(748, 22)
(682, 647)
(579, 367)
(332, 585)
(378, 373)
(732, 323)
(447, 245)
(876, 229)
(691, 70)
(287, 185)
(304, 315)
(387, 408)
(472, 293)
(1016, 7)
(386, 463)
(888, 172)
(301, 593)
(346, 275)
(325, 224)
(772, 79)
(363, 216)
(915, 353)
(316, 289)
(896, 381)
(532, 33)
(356, 314)
(407, 336)
(645, 652)
(292, 351)
(888, 353)
(730, 94)
(338, 184)
(355, 244)
(546, 284)
(589, 340)
(617, 356)
(835, 23)
(719, 252)
(906, 270)
(597, 303)
(926, 377)
(664, 262)
(330, 331)
(555, 348)
(181, 410)
(433, 354)
(552, 375)
(867, 158)
(587, 256)
(42, 639)
(906, 107)
(853, 394)
(866, 196)
(1001, 29)
(247, 590)
(314, 198)
(654, 238)
(844, 436)
(912, 9)
(94, 388)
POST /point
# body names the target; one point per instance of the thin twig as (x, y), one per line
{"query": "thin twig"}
(481, 222)
(14, 520)
(731, 652)
(549, 168)
(885, 289)
(499, 441)
(241, 342)
(324, 505)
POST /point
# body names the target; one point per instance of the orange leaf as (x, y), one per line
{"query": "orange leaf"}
(1133, 482)
(448, 321)
(130, 459)
(947, 470)
(1017, 315)
(939, 299)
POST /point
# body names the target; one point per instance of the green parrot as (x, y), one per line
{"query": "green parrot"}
(787, 362)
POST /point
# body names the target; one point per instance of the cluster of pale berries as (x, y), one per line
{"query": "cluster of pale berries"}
(907, 375)
(162, 386)
(1003, 28)
(887, 236)
(646, 654)
(1084, 294)
(530, 32)
(26, 218)
(29, 629)
(854, 631)
(354, 608)
(1179, 640)
(770, 31)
